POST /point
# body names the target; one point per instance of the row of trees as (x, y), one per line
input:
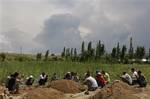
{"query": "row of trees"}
(90, 53)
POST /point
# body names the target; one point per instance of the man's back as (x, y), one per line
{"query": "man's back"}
(93, 81)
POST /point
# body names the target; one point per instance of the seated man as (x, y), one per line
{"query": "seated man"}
(68, 76)
(141, 80)
(90, 82)
(134, 76)
(100, 80)
(106, 76)
(13, 83)
(126, 78)
(29, 80)
(43, 79)
(54, 77)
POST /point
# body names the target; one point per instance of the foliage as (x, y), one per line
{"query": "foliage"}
(3, 56)
(39, 56)
(140, 52)
(61, 67)
(46, 55)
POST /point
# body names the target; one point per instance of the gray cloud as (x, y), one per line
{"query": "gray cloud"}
(107, 20)
(14, 39)
(59, 31)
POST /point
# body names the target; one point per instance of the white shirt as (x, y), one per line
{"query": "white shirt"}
(134, 75)
(127, 77)
(93, 81)
(42, 77)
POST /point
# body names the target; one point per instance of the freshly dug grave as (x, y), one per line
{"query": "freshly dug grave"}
(44, 93)
(118, 90)
(67, 86)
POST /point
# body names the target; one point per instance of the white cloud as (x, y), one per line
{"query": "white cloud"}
(107, 20)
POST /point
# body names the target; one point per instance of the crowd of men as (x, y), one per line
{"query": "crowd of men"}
(136, 78)
(100, 80)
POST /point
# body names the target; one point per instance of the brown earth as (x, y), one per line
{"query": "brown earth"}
(120, 90)
(44, 93)
(67, 89)
(67, 86)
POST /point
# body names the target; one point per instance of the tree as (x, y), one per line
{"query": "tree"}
(39, 56)
(149, 53)
(67, 53)
(83, 48)
(102, 49)
(71, 54)
(83, 52)
(98, 50)
(90, 50)
(118, 51)
(3, 56)
(131, 50)
(140, 52)
(123, 53)
(113, 53)
(63, 54)
(46, 55)
(75, 54)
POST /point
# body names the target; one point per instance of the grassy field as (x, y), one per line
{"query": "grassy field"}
(35, 68)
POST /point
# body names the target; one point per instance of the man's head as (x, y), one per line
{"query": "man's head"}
(132, 69)
(43, 73)
(139, 72)
(88, 74)
(124, 73)
(16, 74)
(103, 72)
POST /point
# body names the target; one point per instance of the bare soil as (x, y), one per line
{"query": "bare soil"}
(67, 86)
(67, 89)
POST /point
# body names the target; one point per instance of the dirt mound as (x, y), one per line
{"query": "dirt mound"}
(67, 86)
(118, 90)
(1, 89)
(44, 93)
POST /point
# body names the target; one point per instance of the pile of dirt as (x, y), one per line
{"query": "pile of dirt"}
(44, 93)
(118, 90)
(1, 89)
(67, 86)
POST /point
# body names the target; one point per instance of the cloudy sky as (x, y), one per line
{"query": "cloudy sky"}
(37, 25)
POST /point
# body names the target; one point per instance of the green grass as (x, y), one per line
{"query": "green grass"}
(35, 68)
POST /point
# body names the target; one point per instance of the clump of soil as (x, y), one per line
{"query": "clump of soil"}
(44, 93)
(1, 89)
(67, 86)
(118, 90)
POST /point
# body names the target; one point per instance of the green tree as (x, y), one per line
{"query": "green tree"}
(63, 54)
(114, 52)
(67, 53)
(83, 52)
(71, 53)
(90, 50)
(123, 53)
(75, 54)
(131, 50)
(46, 55)
(149, 53)
(102, 49)
(39, 56)
(83, 48)
(118, 51)
(140, 52)
(98, 50)
(3, 56)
